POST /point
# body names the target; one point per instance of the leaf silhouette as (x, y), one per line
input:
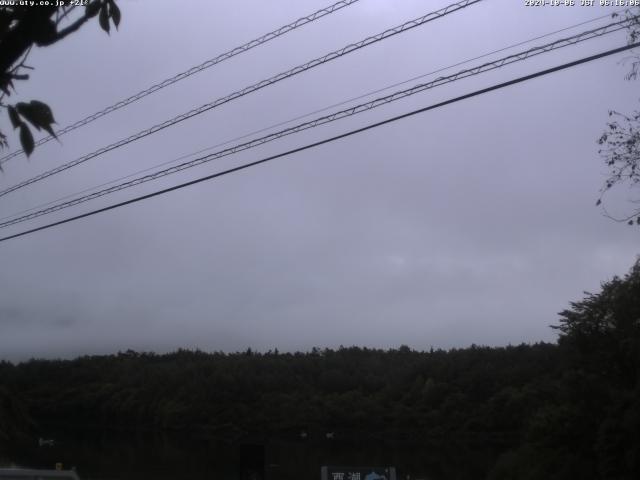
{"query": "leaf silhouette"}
(14, 117)
(26, 139)
(114, 13)
(104, 18)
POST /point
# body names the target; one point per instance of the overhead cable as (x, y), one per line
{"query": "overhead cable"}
(332, 139)
(486, 67)
(250, 89)
(300, 117)
(192, 71)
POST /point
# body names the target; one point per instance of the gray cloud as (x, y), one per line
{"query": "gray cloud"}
(470, 224)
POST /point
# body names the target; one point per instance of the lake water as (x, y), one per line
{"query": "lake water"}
(127, 456)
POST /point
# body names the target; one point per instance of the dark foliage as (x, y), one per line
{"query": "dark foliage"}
(620, 142)
(562, 411)
(21, 28)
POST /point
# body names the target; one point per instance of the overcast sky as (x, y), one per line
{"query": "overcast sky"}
(472, 223)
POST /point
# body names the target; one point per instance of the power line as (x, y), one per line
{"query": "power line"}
(333, 117)
(561, 43)
(193, 70)
(250, 89)
(334, 138)
(299, 117)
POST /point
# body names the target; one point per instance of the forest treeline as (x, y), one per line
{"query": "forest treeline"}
(565, 410)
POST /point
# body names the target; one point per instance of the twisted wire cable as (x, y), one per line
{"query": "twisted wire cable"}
(250, 89)
(517, 57)
(331, 139)
(305, 115)
(192, 71)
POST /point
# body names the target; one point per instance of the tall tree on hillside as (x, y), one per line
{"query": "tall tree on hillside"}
(605, 328)
(601, 333)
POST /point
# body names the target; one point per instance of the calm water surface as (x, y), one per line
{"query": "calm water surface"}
(128, 456)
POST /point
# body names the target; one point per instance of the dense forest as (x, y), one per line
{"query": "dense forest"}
(554, 411)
